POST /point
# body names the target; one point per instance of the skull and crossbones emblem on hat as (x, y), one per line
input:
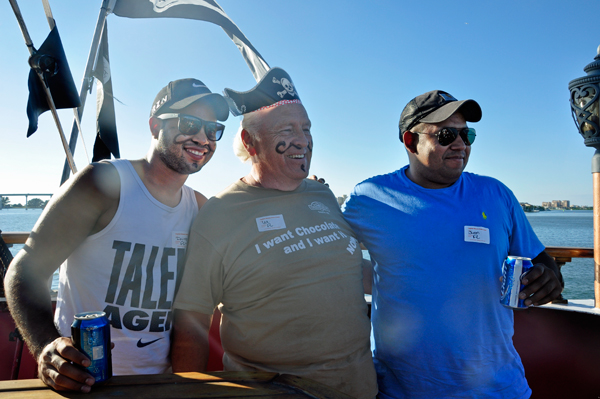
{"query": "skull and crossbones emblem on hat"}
(288, 87)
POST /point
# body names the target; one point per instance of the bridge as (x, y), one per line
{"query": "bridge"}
(24, 195)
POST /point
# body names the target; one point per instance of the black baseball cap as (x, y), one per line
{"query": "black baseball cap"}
(178, 94)
(434, 107)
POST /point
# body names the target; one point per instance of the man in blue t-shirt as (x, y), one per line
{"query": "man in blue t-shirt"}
(437, 237)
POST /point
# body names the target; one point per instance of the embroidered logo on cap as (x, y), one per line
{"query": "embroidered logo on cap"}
(158, 104)
(448, 97)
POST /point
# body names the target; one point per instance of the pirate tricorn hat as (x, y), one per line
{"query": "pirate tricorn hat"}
(275, 87)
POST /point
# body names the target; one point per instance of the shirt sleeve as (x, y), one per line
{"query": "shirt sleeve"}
(201, 288)
(351, 211)
(523, 240)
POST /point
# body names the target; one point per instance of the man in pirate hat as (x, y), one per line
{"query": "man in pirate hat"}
(119, 229)
(274, 253)
(437, 237)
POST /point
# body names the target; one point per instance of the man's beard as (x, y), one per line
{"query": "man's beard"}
(178, 163)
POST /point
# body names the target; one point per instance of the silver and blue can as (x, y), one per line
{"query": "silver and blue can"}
(513, 269)
(90, 333)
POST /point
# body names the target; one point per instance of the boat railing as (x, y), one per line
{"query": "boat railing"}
(562, 255)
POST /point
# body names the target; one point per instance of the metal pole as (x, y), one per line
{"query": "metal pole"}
(48, 12)
(29, 44)
(85, 83)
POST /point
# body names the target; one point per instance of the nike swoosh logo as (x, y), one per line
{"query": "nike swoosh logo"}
(195, 85)
(141, 344)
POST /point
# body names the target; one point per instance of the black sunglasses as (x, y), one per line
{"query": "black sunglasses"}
(447, 135)
(191, 125)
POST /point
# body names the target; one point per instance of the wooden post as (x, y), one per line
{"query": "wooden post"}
(596, 177)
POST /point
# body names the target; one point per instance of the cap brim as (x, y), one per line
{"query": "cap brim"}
(216, 100)
(469, 109)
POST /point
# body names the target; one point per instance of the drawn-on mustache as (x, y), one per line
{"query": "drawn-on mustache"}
(283, 144)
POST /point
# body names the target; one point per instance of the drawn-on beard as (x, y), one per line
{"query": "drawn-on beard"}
(283, 144)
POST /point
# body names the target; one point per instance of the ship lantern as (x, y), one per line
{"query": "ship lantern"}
(585, 99)
(585, 94)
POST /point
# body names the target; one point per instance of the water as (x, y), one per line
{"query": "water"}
(554, 228)
(569, 229)
(21, 220)
(18, 219)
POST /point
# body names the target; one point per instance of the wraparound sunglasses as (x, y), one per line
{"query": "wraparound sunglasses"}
(447, 135)
(191, 125)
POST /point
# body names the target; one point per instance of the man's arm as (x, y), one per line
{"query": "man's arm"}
(79, 209)
(189, 342)
(367, 271)
(200, 199)
(542, 284)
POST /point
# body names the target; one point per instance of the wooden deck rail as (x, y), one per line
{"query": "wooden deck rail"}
(562, 255)
(15, 237)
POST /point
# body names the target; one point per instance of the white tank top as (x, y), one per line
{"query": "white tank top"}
(131, 270)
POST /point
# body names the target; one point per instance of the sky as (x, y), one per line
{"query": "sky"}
(355, 66)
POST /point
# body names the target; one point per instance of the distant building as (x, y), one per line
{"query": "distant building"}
(557, 204)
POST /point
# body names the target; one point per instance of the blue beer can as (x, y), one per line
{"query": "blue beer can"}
(90, 333)
(513, 269)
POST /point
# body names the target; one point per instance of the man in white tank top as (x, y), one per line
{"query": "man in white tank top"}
(120, 230)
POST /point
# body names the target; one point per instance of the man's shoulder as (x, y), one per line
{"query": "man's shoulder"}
(487, 187)
(228, 197)
(100, 177)
(387, 179)
(315, 186)
(482, 180)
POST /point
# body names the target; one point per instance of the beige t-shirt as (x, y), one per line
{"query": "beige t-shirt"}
(285, 270)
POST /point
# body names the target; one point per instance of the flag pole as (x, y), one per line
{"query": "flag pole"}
(87, 76)
(32, 51)
(52, 24)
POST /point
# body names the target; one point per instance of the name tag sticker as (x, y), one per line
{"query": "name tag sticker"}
(477, 234)
(273, 222)
(180, 239)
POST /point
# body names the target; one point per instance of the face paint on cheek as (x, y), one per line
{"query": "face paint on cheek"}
(281, 144)
(303, 168)
(310, 146)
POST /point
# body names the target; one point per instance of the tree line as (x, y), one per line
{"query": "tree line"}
(32, 203)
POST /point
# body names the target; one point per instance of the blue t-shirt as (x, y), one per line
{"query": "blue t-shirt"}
(439, 329)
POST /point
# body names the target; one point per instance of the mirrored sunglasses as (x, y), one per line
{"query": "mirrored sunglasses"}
(190, 125)
(447, 135)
